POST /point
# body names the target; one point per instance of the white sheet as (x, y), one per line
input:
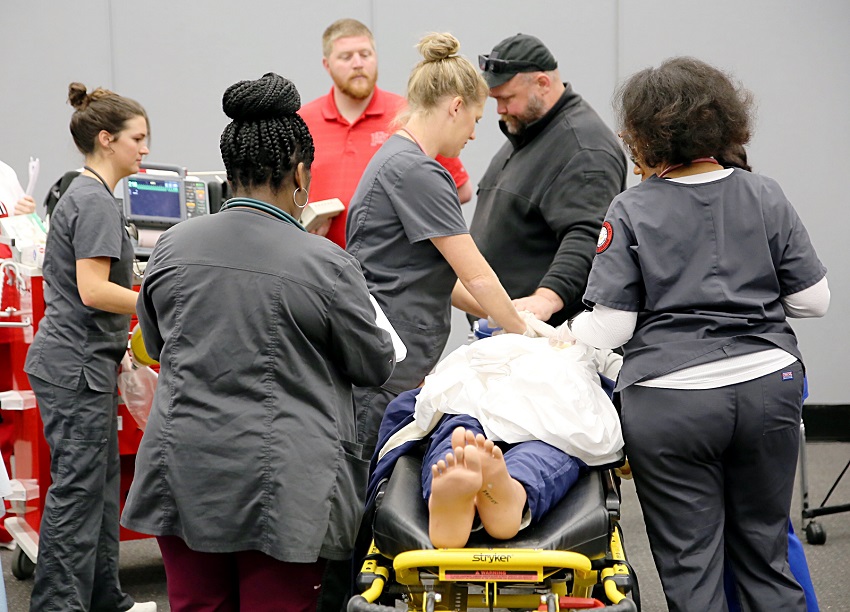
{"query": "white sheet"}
(522, 389)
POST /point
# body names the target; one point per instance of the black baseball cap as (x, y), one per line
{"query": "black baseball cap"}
(520, 53)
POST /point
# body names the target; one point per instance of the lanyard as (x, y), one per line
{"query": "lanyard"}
(413, 138)
(100, 178)
(262, 207)
(670, 169)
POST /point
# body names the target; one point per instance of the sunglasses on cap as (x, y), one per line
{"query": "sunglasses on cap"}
(495, 64)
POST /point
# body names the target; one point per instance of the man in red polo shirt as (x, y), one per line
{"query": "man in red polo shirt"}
(350, 123)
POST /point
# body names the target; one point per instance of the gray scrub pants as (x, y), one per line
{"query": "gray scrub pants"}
(714, 471)
(77, 565)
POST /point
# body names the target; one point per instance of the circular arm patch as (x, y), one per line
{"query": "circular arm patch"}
(606, 235)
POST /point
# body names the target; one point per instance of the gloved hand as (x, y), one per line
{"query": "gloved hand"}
(535, 328)
(562, 336)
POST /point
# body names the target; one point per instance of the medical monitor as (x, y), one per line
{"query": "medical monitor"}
(154, 200)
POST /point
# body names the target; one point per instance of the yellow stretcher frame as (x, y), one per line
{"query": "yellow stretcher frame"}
(491, 567)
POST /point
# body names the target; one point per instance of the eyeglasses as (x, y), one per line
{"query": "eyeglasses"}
(494, 64)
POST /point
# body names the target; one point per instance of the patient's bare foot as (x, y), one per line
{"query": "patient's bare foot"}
(456, 480)
(501, 499)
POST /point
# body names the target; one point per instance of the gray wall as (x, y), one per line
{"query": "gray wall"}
(177, 58)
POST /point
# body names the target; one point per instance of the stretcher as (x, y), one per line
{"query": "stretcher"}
(572, 559)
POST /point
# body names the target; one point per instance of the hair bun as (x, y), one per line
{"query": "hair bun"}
(80, 99)
(266, 98)
(438, 46)
(78, 95)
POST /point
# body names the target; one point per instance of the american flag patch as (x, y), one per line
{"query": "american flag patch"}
(788, 376)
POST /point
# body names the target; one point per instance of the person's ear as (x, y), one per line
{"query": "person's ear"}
(455, 105)
(302, 177)
(543, 81)
(104, 139)
(326, 65)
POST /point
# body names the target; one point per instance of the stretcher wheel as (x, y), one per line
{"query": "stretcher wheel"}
(22, 566)
(815, 534)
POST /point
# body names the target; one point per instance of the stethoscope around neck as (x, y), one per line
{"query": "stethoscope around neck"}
(261, 206)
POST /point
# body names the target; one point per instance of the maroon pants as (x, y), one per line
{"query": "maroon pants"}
(246, 581)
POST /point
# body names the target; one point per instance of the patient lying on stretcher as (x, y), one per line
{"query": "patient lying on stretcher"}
(510, 424)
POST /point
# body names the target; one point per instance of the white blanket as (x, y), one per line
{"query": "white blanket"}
(523, 389)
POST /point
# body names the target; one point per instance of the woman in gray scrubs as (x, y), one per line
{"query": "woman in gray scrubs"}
(249, 473)
(697, 270)
(406, 229)
(73, 361)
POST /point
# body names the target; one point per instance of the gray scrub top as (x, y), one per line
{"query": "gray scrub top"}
(72, 337)
(260, 329)
(404, 199)
(704, 266)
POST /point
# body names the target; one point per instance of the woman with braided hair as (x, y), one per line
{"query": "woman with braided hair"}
(249, 473)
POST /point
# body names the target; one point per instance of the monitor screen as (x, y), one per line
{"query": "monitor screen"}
(155, 199)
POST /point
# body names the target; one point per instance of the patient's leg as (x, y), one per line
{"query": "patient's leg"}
(501, 499)
(456, 481)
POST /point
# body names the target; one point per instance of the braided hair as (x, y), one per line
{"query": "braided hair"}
(267, 139)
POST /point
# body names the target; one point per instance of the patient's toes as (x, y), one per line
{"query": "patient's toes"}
(452, 501)
(459, 437)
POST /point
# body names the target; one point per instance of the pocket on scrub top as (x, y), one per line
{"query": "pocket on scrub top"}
(103, 353)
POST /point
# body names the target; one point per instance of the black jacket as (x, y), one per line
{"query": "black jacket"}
(542, 200)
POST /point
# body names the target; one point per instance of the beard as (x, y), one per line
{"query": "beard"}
(534, 110)
(358, 88)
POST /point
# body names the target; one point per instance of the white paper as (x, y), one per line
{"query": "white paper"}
(384, 323)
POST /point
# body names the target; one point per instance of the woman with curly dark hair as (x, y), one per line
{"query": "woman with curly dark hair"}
(697, 269)
(249, 473)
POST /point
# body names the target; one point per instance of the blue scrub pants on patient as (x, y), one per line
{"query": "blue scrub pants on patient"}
(545, 472)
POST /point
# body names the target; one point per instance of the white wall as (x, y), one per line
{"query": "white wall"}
(177, 58)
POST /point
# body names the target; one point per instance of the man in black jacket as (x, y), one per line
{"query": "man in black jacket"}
(543, 198)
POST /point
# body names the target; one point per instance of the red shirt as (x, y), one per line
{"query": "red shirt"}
(343, 149)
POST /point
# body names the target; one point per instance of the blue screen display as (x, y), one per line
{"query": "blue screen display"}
(154, 197)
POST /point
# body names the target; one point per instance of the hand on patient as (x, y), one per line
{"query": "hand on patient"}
(473, 478)
(543, 303)
(563, 336)
(534, 327)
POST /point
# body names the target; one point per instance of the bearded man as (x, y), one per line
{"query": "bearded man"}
(542, 201)
(350, 123)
